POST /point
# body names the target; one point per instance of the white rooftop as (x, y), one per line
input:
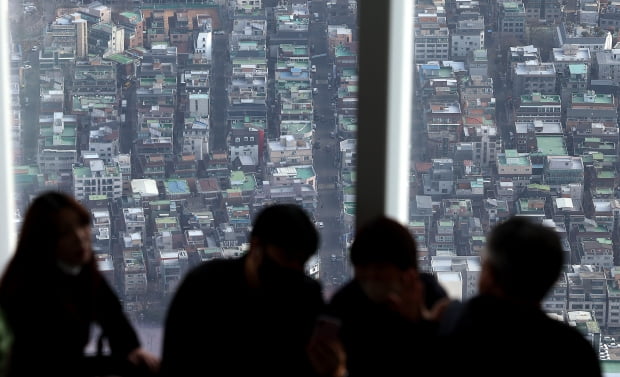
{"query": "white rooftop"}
(453, 284)
(144, 187)
(564, 202)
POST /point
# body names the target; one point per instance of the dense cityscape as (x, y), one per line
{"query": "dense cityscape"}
(174, 122)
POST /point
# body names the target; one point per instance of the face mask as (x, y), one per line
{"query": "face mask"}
(379, 291)
(271, 274)
(68, 269)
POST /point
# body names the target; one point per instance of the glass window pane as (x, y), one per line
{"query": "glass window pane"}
(175, 122)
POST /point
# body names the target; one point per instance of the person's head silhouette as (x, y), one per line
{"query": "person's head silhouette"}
(521, 261)
(55, 233)
(282, 239)
(384, 256)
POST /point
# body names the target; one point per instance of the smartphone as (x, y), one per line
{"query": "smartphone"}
(327, 327)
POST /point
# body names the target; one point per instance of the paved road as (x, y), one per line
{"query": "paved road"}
(128, 128)
(331, 253)
(30, 110)
(220, 71)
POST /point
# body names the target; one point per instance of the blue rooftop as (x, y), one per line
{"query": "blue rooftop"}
(177, 186)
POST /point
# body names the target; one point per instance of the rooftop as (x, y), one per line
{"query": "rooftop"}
(534, 68)
(538, 97)
(531, 205)
(592, 97)
(512, 157)
(551, 145)
(564, 163)
(578, 69)
(145, 187)
(571, 53)
(176, 186)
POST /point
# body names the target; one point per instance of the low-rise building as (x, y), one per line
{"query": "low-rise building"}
(97, 178)
(287, 151)
(134, 273)
(457, 274)
(587, 290)
(563, 170)
(534, 76)
(516, 166)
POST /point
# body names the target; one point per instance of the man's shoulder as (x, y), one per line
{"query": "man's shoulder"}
(565, 334)
(216, 269)
(348, 299)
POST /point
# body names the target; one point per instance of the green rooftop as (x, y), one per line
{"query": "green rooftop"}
(249, 60)
(166, 220)
(577, 69)
(538, 97)
(27, 175)
(581, 98)
(603, 191)
(610, 367)
(605, 174)
(248, 122)
(604, 241)
(295, 127)
(514, 158)
(294, 50)
(67, 137)
(349, 208)
(342, 50)
(120, 58)
(161, 202)
(349, 177)
(208, 252)
(87, 102)
(349, 190)
(347, 123)
(82, 172)
(588, 327)
(551, 145)
(305, 172)
(510, 5)
(132, 15)
(241, 181)
(539, 187)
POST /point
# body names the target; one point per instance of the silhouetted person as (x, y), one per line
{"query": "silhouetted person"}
(503, 331)
(52, 292)
(385, 327)
(6, 340)
(250, 316)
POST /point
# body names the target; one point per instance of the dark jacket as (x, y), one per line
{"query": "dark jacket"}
(380, 342)
(219, 326)
(51, 321)
(494, 337)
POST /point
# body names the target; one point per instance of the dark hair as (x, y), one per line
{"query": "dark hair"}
(384, 241)
(526, 258)
(288, 227)
(38, 237)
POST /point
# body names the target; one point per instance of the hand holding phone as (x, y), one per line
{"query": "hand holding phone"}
(325, 351)
(327, 327)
